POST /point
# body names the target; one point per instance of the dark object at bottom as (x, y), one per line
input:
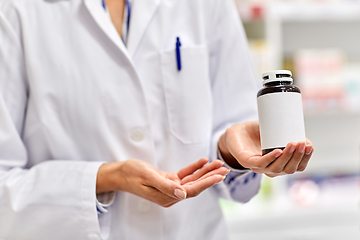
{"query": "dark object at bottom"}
(266, 151)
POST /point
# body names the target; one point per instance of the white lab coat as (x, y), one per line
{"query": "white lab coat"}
(73, 96)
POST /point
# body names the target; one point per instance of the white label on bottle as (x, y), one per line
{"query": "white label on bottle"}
(281, 119)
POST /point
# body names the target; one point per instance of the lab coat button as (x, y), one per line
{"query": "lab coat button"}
(93, 236)
(137, 135)
(144, 206)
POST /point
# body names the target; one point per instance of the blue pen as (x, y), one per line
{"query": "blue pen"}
(178, 54)
(129, 14)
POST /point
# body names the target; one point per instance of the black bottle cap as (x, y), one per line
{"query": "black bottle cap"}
(277, 76)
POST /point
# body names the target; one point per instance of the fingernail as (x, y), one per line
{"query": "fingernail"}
(227, 172)
(292, 149)
(278, 154)
(222, 179)
(309, 151)
(302, 148)
(180, 194)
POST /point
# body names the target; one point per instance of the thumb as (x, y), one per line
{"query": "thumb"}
(169, 187)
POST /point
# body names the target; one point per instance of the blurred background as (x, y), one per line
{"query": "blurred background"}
(319, 41)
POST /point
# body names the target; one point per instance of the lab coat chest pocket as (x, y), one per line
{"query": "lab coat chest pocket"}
(188, 94)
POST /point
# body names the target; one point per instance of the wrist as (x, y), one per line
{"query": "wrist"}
(226, 156)
(108, 177)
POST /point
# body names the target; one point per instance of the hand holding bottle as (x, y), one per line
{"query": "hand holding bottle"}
(240, 147)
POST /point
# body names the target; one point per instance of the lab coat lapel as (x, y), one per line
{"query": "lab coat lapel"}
(141, 14)
(104, 22)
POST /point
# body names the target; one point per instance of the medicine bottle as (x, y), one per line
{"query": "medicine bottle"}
(280, 111)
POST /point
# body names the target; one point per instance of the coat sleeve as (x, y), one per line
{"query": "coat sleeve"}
(234, 91)
(51, 200)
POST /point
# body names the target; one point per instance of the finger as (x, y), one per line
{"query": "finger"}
(309, 149)
(278, 166)
(195, 189)
(204, 170)
(294, 162)
(166, 186)
(155, 196)
(220, 171)
(261, 162)
(304, 162)
(192, 168)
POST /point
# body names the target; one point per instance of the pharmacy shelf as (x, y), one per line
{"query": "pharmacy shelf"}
(291, 25)
(304, 11)
(288, 26)
(300, 11)
(285, 28)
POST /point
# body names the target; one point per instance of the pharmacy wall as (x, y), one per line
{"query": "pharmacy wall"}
(319, 41)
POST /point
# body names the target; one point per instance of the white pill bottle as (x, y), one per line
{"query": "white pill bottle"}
(280, 111)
